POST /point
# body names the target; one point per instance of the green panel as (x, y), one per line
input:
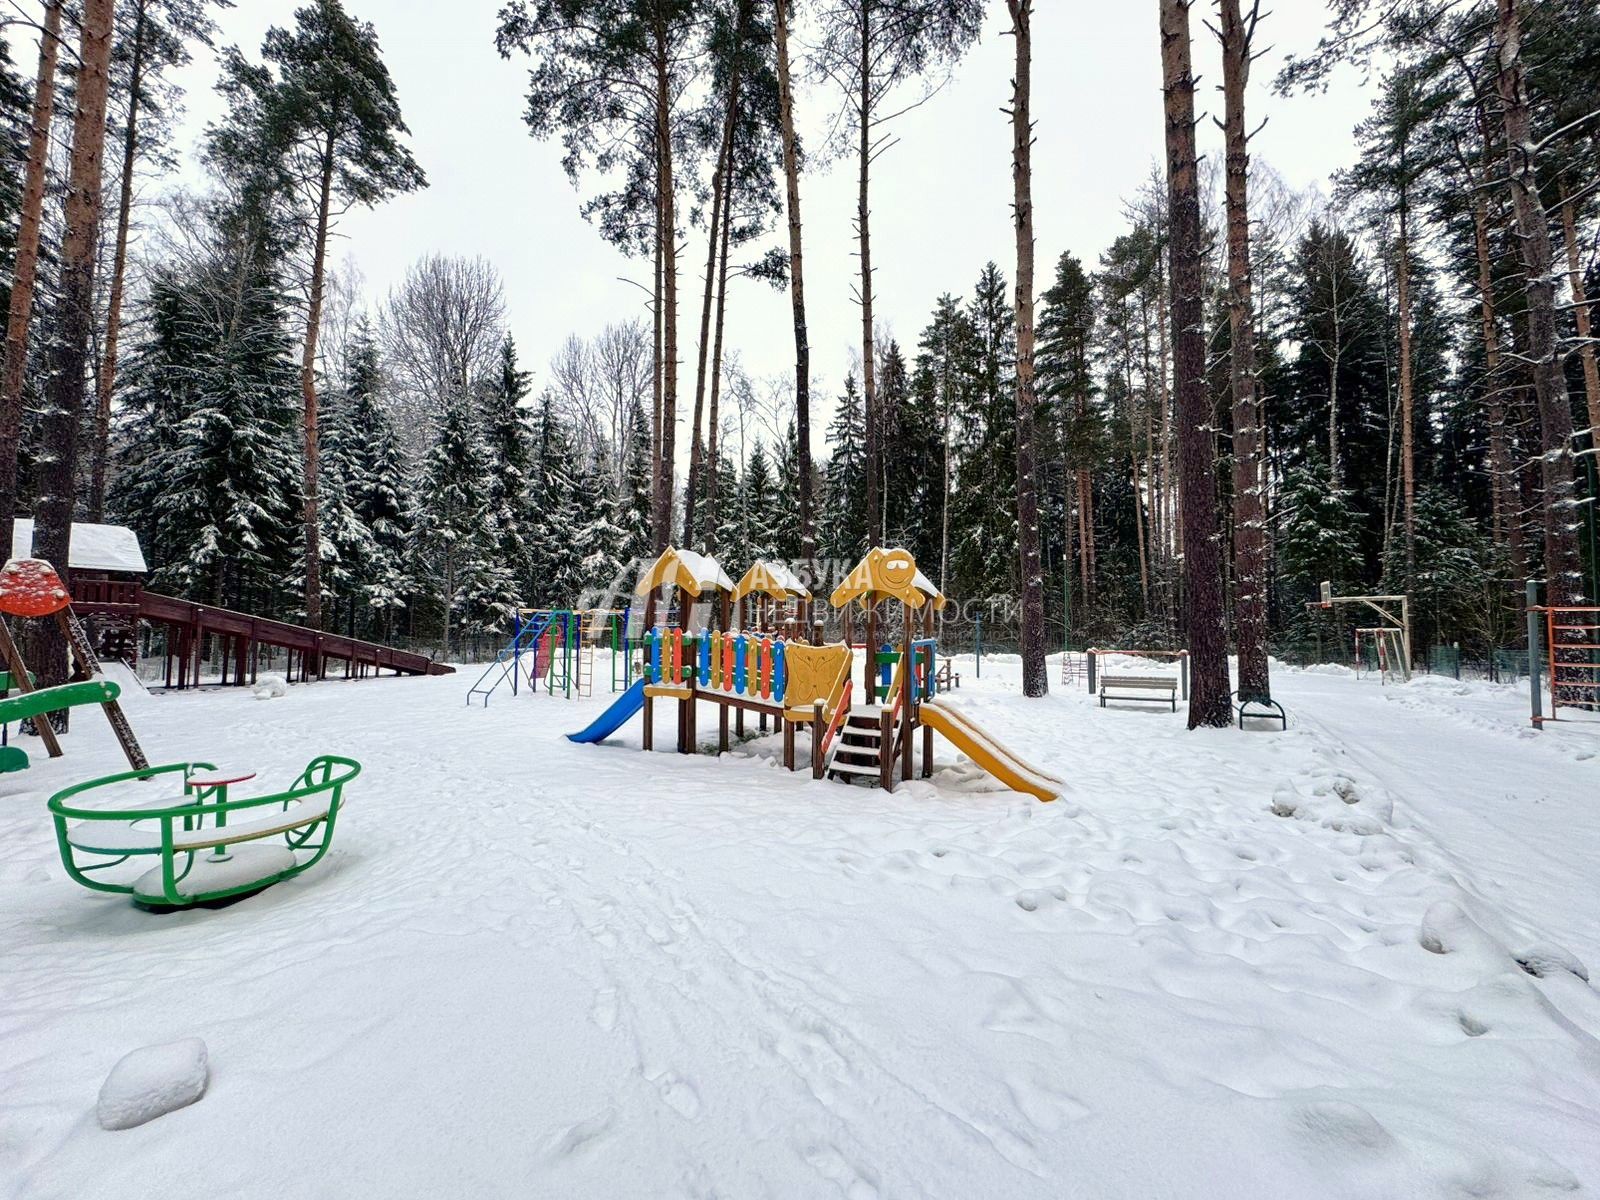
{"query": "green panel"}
(68, 695)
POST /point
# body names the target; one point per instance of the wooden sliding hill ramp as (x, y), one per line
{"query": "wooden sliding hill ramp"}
(119, 606)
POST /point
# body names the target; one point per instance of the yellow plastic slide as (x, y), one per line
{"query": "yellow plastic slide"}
(977, 744)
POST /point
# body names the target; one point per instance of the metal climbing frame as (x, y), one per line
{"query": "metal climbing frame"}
(1571, 636)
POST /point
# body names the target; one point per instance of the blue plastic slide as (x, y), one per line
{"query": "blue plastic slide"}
(614, 718)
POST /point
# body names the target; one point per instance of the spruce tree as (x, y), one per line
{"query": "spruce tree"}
(843, 532)
(510, 459)
(456, 534)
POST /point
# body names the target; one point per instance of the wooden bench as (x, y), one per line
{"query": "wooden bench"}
(1165, 685)
(176, 831)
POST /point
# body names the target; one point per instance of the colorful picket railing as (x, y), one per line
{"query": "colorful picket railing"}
(738, 664)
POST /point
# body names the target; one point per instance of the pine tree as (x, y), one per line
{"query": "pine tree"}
(323, 107)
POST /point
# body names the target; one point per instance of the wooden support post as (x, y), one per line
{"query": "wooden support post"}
(722, 729)
(872, 651)
(885, 751)
(20, 680)
(788, 742)
(907, 716)
(649, 723)
(686, 738)
(817, 730)
(927, 751)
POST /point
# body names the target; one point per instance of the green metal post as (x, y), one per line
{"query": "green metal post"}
(1535, 692)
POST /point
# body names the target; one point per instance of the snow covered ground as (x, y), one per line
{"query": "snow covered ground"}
(1224, 965)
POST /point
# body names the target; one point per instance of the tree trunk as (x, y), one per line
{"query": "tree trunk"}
(655, 367)
(666, 197)
(797, 291)
(69, 352)
(1504, 505)
(869, 379)
(1202, 558)
(1035, 676)
(1171, 521)
(106, 384)
(20, 315)
(1408, 477)
(720, 182)
(1580, 313)
(1249, 524)
(1563, 576)
(714, 492)
(308, 389)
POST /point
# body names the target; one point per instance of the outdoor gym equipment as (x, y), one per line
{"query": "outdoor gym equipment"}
(1567, 639)
(177, 835)
(30, 588)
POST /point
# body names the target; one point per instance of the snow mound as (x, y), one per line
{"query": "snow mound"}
(1447, 929)
(1337, 802)
(153, 1081)
(1335, 669)
(269, 687)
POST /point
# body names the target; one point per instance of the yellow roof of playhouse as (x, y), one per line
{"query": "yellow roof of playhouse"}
(888, 574)
(694, 573)
(771, 579)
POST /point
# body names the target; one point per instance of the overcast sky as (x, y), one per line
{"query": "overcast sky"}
(940, 198)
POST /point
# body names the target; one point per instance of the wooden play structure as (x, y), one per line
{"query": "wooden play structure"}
(738, 646)
(203, 846)
(1564, 646)
(30, 589)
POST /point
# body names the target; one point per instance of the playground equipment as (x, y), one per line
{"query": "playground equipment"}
(554, 649)
(1393, 638)
(797, 686)
(96, 839)
(30, 588)
(1563, 640)
(1161, 689)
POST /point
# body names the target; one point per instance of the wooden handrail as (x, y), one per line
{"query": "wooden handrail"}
(841, 709)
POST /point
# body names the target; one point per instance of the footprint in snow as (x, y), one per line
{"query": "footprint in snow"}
(680, 1095)
(1043, 1103)
(1341, 1128)
(604, 1012)
(582, 1134)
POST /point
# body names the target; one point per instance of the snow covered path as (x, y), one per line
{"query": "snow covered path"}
(1518, 809)
(1223, 965)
